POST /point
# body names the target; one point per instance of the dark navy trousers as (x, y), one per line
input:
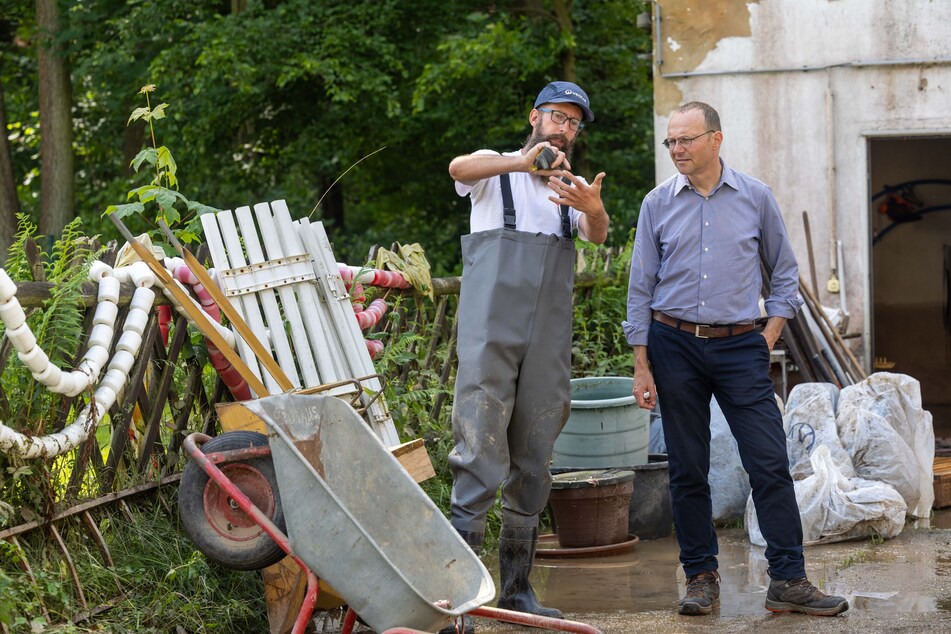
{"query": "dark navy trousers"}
(688, 370)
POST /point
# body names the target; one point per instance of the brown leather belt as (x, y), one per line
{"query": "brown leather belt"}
(704, 331)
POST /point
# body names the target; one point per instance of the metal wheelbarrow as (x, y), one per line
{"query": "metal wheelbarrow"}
(354, 518)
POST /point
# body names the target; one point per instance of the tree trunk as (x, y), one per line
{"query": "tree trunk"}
(562, 9)
(9, 203)
(56, 125)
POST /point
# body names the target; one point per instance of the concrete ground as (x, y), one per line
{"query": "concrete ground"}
(900, 585)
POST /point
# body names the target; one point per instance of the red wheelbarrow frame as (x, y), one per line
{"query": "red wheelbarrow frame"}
(208, 463)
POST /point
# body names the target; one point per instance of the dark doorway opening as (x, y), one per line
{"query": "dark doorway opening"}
(910, 183)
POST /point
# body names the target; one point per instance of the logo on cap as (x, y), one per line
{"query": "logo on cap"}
(578, 95)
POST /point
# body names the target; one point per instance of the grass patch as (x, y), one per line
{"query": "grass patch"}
(159, 582)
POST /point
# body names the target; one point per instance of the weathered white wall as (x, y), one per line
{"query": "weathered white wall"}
(801, 85)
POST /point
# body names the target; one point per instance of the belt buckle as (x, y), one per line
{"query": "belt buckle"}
(696, 331)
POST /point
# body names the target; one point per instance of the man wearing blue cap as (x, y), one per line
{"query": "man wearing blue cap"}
(512, 394)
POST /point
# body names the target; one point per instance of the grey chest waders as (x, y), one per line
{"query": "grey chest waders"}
(512, 393)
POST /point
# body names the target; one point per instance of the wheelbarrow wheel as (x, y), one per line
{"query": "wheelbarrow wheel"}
(214, 522)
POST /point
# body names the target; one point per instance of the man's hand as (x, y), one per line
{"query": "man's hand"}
(645, 391)
(557, 164)
(773, 330)
(586, 198)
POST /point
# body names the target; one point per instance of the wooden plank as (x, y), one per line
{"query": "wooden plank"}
(226, 253)
(942, 465)
(415, 459)
(942, 482)
(135, 390)
(156, 412)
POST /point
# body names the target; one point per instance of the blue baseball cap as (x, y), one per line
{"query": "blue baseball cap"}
(565, 92)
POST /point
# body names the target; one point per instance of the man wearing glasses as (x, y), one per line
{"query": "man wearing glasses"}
(512, 394)
(692, 307)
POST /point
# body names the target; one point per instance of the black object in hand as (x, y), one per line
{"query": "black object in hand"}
(544, 159)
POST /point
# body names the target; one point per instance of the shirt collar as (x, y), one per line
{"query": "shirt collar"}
(727, 177)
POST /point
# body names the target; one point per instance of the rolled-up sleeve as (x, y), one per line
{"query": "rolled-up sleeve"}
(645, 263)
(784, 299)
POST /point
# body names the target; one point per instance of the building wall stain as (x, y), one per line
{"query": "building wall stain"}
(689, 30)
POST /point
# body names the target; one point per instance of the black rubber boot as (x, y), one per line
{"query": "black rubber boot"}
(516, 554)
(464, 625)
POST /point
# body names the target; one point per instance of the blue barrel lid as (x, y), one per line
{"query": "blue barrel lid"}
(593, 478)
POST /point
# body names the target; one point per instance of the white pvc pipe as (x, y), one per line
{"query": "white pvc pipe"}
(141, 275)
(99, 271)
(50, 376)
(35, 359)
(80, 382)
(114, 379)
(109, 290)
(8, 288)
(93, 360)
(136, 321)
(142, 299)
(105, 397)
(65, 383)
(22, 338)
(130, 342)
(121, 361)
(11, 313)
(105, 314)
(101, 335)
(54, 444)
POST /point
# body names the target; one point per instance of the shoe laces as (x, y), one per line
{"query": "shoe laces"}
(804, 584)
(699, 582)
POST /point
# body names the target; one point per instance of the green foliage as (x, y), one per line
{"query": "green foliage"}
(28, 407)
(160, 198)
(279, 99)
(599, 347)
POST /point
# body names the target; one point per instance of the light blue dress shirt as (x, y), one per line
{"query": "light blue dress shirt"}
(697, 258)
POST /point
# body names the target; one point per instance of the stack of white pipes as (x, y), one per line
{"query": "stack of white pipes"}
(72, 383)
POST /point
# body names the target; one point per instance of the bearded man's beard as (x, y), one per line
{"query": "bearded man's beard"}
(558, 140)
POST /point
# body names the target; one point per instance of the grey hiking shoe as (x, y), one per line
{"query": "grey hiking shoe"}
(798, 595)
(703, 592)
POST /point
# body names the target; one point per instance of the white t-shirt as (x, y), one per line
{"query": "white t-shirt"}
(534, 212)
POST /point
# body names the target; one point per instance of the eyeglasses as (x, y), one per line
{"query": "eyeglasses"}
(684, 141)
(560, 117)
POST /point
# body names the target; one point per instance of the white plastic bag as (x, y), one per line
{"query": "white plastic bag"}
(835, 508)
(810, 422)
(896, 398)
(729, 483)
(878, 451)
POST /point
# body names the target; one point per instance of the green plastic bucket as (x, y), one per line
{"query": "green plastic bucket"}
(606, 428)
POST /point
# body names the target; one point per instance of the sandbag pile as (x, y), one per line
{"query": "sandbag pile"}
(861, 458)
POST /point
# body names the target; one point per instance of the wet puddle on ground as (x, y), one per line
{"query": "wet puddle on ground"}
(648, 577)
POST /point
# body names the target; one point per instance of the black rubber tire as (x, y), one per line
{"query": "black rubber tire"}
(224, 534)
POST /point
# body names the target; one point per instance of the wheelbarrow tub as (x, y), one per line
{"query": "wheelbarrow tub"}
(360, 521)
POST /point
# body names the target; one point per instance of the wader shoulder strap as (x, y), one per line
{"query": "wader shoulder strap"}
(508, 205)
(508, 208)
(565, 218)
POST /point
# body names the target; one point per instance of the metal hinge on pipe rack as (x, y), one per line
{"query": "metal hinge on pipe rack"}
(271, 274)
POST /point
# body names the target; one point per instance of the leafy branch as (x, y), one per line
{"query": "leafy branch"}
(160, 199)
